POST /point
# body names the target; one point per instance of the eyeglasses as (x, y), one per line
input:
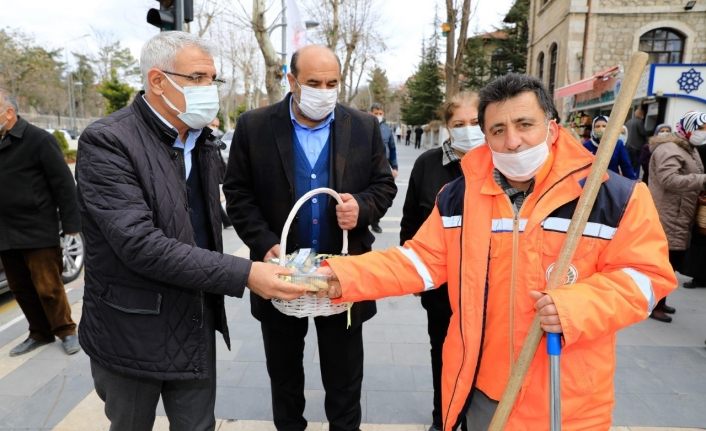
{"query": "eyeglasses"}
(198, 78)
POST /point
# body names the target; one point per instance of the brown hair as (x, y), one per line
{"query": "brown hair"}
(450, 106)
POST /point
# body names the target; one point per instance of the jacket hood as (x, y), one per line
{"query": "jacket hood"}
(672, 137)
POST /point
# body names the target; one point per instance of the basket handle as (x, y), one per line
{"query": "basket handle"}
(302, 200)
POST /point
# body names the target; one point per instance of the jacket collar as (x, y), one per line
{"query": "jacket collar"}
(569, 165)
(166, 134)
(340, 139)
(17, 132)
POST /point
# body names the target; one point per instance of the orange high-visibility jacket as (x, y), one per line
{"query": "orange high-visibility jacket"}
(492, 258)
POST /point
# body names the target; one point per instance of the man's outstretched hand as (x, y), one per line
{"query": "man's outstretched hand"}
(265, 282)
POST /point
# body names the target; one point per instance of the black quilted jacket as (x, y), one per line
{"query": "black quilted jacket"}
(146, 283)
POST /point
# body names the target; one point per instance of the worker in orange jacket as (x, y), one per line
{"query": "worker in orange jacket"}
(494, 237)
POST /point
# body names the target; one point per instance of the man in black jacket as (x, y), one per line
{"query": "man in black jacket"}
(279, 153)
(155, 279)
(35, 182)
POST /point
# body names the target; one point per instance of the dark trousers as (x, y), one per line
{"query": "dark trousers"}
(480, 411)
(34, 277)
(634, 155)
(418, 141)
(131, 402)
(341, 362)
(436, 303)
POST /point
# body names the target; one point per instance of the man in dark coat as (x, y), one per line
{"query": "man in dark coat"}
(35, 183)
(388, 141)
(148, 179)
(279, 153)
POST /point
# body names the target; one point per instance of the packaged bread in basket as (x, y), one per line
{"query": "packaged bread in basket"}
(305, 262)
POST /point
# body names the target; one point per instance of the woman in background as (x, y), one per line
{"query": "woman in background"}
(431, 171)
(620, 161)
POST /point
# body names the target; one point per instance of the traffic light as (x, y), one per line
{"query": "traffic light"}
(172, 14)
(164, 17)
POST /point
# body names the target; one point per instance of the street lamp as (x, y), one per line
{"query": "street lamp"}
(69, 81)
(283, 25)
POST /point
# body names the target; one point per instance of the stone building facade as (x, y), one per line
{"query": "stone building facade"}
(573, 40)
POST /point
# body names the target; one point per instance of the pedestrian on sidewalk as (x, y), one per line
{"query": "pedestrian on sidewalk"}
(408, 133)
(279, 153)
(388, 141)
(696, 252)
(494, 236)
(418, 132)
(646, 154)
(37, 199)
(431, 171)
(676, 180)
(620, 161)
(156, 277)
(637, 137)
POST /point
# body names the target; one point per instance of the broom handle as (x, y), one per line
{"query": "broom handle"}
(622, 104)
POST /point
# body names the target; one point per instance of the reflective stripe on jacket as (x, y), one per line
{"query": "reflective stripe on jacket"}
(619, 271)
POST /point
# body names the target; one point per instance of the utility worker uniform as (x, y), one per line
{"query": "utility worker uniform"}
(491, 257)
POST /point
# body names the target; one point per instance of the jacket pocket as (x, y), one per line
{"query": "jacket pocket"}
(132, 300)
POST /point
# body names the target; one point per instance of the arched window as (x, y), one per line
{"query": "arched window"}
(664, 45)
(540, 66)
(552, 68)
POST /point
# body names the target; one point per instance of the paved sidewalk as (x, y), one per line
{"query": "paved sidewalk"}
(660, 379)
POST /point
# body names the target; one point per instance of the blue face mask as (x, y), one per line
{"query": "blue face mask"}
(202, 104)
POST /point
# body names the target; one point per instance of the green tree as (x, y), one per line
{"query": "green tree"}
(115, 93)
(489, 55)
(424, 94)
(379, 86)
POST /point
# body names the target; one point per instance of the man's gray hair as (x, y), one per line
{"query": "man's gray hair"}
(161, 51)
(376, 106)
(7, 100)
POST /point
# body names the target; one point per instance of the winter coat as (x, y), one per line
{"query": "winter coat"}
(676, 178)
(35, 181)
(260, 187)
(619, 271)
(148, 288)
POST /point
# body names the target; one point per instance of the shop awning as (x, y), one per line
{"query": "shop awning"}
(584, 85)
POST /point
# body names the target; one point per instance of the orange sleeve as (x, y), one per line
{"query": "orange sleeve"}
(633, 273)
(418, 265)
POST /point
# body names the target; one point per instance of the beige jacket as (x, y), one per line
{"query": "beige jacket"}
(676, 178)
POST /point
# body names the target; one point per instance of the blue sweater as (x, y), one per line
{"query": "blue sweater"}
(619, 162)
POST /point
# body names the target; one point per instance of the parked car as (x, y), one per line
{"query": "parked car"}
(227, 138)
(72, 256)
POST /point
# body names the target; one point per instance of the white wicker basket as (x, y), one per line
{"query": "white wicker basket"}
(309, 305)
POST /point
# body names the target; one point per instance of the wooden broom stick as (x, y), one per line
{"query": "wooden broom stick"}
(578, 223)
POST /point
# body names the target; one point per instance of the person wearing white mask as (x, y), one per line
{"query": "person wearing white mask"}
(155, 275)
(388, 140)
(431, 171)
(279, 153)
(676, 179)
(494, 236)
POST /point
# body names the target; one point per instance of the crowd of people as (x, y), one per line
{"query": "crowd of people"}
(484, 218)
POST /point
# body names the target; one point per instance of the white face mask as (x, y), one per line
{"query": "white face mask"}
(698, 138)
(664, 133)
(202, 104)
(316, 103)
(380, 118)
(523, 165)
(466, 138)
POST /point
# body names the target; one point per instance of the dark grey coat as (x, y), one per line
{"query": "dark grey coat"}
(147, 284)
(259, 187)
(34, 182)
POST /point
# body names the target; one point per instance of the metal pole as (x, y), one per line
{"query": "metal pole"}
(554, 351)
(179, 18)
(284, 36)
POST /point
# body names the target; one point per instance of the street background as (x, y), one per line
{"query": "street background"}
(660, 381)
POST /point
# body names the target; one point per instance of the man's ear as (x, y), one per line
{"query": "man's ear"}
(553, 131)
(156, 81)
